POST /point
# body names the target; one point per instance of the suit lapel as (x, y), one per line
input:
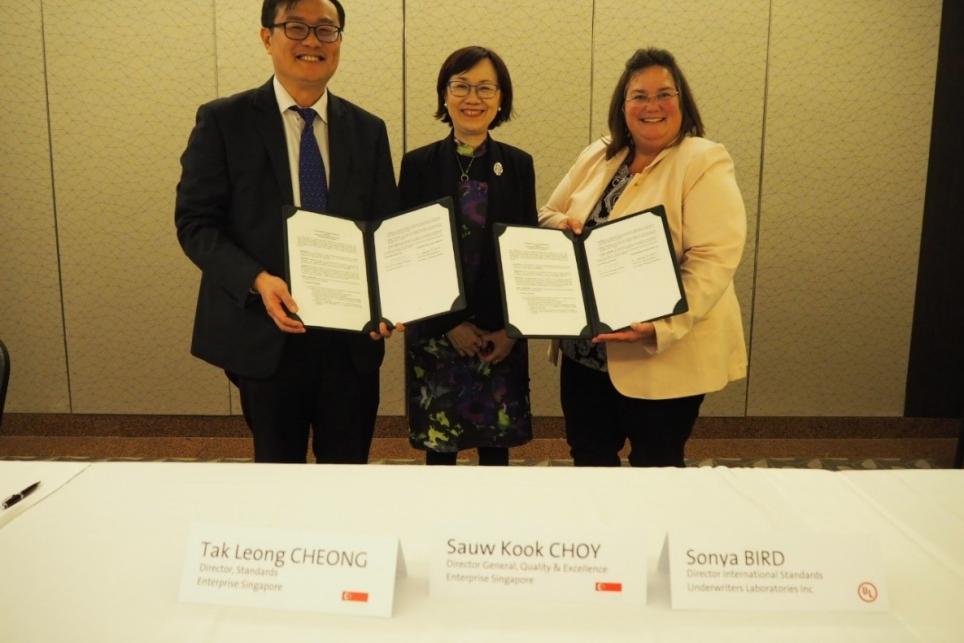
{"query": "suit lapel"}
(268, 123)
(340, 136)
(498, 183)
(447, 176)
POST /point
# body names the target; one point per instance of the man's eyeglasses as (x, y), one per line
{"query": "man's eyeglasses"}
(662, 98)
(300, 31)
(460, 89)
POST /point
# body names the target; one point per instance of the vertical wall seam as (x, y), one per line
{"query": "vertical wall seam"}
(592, 65)
(53, 200)
(404, 78)
(759, 210)
(217, 94)
(214, 28)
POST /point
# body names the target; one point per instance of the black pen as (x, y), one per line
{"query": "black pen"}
(17, 497)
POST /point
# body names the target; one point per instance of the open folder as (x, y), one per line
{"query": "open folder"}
(350, 275)
(557, 284)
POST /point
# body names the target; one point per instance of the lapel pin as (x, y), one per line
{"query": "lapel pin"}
(497, 168)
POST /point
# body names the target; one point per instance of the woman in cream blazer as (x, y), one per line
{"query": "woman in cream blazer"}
(646, 383)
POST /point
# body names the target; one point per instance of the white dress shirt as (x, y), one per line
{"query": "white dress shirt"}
(294, 125)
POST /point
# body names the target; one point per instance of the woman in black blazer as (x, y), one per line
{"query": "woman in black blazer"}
(467, 381)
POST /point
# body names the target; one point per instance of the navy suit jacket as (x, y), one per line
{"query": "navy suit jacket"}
(235, 179)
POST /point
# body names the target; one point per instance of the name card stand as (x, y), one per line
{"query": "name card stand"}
(292, 570)
(791, 571)
(532, 564)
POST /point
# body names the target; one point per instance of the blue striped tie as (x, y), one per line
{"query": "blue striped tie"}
(311, 167)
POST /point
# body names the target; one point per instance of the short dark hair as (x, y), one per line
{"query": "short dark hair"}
(692, 124)
(270, 9)
(465, 59)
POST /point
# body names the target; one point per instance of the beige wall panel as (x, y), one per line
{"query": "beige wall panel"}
(31, 322)
(847, 134)
(242, 62)
(235, 400)
(721, 45)
(547, 47)
(124, 80)
(369, 75)
(543, 380)
(392, 378)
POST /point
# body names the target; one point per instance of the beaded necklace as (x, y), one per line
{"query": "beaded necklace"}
(461, 149)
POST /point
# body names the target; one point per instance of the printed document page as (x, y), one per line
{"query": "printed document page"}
(326, 263)
(415, 260)
(541, 279)
(632, 271)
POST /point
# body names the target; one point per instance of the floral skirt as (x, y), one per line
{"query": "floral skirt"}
(457, 402)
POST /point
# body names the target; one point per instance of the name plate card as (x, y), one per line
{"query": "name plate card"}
(519, 563)
(292, 570)
(793, 571)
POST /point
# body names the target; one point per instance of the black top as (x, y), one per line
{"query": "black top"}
(431, 172)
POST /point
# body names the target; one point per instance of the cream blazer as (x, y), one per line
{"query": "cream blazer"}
(701, 350)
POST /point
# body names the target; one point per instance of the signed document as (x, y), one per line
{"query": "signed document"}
(351, 275)
(557, 284)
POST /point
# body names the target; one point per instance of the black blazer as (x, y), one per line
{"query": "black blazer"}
(235, 178)
(429, 173)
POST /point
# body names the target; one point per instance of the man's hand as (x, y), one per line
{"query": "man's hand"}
(385, 332)
(636, 333)
(274, 293)
(466, 338)
(496, 346)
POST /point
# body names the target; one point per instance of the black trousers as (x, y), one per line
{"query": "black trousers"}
(488, 457)
(316, 390)
(599, 419)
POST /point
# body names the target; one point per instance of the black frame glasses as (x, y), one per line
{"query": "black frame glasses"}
(461, 89)
(300, 31)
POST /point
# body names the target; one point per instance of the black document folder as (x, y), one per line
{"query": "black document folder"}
(351, 275)
(557, 284)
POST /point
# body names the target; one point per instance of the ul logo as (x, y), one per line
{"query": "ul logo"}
(867, 592)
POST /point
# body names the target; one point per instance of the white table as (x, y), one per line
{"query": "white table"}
(100, 558)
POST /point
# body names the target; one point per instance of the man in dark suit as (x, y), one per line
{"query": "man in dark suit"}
(289, 141)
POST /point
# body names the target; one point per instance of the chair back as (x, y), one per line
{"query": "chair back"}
(4, 376)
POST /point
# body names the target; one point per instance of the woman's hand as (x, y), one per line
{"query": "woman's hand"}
(466, 338)
(497, 346)
(637, 333)
(573, 224)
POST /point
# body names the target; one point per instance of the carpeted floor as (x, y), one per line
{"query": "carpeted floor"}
(813, 454)
(820, 443)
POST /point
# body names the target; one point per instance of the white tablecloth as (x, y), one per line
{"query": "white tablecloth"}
(100, 558)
